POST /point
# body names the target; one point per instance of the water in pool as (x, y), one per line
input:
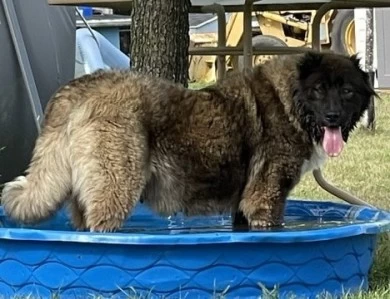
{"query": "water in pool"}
(224, 225)
(147, 224)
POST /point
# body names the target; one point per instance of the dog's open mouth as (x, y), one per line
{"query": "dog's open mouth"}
(332, 141)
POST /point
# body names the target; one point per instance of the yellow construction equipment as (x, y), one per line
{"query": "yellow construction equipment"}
(276, 28)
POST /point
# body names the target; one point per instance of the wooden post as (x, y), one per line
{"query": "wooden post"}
(369, 61)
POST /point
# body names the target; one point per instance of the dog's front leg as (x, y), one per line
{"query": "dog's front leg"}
(264, 196)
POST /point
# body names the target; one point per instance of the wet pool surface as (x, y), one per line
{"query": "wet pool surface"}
(305, 216)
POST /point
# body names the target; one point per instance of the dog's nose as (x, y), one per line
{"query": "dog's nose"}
(332, 117)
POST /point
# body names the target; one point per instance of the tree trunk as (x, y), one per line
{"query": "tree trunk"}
(160, 38)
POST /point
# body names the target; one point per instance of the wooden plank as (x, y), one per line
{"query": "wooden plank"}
(123, 5)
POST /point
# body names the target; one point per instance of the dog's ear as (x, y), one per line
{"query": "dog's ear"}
(356, 61)
(367, 88)
(310, 61)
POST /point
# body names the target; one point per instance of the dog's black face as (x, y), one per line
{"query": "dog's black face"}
(332, 95)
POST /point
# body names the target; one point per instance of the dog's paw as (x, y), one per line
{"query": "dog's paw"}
(100, 219)
(79, 225)
(103, 229)
(106, 226)
(262, 215)
(265, 223)
(261, 223)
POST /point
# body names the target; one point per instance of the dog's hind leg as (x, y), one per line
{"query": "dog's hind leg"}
(109, 171)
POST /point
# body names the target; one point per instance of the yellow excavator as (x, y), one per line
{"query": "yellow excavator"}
(275, 28)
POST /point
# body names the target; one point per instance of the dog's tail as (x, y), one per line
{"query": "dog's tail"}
(36, 196)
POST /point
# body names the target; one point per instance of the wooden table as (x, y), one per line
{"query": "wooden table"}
(236, 5)
(246, 6)
(121, 5)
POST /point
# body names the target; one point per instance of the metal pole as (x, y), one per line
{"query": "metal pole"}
(369, 61)
(239, 51)
(221, 59)
(315, 28)
(87, 25)
(248, 50)
(24, 62)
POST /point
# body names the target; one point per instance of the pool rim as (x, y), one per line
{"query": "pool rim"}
(204, 238)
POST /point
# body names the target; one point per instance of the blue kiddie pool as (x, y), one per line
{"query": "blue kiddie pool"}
(326, 247)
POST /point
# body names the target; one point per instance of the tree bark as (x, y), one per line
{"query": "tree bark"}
(160, 38)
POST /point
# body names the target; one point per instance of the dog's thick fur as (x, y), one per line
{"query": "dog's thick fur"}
(111, 138)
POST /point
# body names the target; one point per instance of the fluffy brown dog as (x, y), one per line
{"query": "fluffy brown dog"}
(111, 138)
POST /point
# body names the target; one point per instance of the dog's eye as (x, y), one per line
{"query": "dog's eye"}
(347, 92)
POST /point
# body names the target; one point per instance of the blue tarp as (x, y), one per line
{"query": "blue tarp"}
(48, 37)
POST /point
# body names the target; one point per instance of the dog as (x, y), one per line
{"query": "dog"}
(240, 146)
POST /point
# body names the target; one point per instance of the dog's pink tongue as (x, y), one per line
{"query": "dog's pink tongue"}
(333, 141)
